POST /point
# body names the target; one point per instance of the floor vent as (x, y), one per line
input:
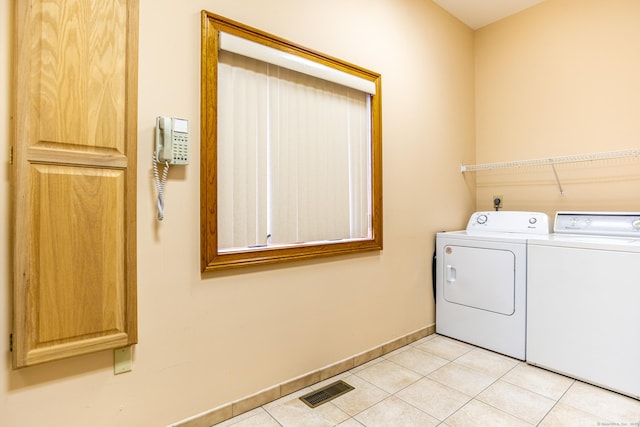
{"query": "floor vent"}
(326, 394)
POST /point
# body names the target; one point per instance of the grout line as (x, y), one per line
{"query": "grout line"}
(557, 401)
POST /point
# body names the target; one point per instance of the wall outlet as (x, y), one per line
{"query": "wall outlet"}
(498, 199)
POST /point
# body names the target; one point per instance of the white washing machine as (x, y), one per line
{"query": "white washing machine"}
(583, 299)
(481, 280)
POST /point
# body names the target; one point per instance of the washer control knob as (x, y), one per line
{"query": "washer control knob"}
(636, 224)
(481, 219)
(533, 220)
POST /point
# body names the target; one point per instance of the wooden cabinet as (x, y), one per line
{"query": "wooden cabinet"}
(74, 178)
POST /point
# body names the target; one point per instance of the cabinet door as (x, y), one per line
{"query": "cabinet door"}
(74, 178)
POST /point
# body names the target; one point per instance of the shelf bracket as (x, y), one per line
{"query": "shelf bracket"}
(555, 173)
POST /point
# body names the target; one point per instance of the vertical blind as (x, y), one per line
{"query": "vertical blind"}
(293, 156)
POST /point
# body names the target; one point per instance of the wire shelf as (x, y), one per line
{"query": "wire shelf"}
(553, 160)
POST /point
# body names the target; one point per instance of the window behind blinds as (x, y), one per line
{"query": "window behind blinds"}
(293, 156)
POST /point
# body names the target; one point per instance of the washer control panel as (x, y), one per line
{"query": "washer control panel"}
(625, 224)
(509, 222)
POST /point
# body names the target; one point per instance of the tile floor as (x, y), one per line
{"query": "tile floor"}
(438, 381)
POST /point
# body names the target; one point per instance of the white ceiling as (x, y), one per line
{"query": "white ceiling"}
(478, 13)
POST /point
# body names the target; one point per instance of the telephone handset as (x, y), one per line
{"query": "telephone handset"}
(172, 140)
(172, 148)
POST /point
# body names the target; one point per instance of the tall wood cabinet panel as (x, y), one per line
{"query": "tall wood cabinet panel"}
(74, 178)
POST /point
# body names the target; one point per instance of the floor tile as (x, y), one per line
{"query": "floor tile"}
(445, 348)
(367, 365)
(603, 403)
(351, 422)
(488, 362)
(459, 377)
(444, 382)
(418, 361)
(476, 413)
(295, 413)
(363, 396)
(395, 412)
(433, 398)
(395, 352)
(256, 417)
(565, 415)
(389, 376)
(539, 380)
(519, 402)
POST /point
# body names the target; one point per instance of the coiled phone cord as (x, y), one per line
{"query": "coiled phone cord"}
(160, 185)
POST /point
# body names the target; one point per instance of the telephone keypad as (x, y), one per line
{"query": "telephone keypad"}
(180, 148)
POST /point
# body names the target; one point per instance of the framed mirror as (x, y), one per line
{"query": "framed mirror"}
(291, 150)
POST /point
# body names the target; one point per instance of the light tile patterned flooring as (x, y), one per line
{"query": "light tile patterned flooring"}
(438, 381)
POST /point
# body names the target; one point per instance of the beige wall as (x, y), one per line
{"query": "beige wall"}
(559, 79)
(207, 340)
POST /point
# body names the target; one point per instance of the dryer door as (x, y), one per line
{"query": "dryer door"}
(482, 278)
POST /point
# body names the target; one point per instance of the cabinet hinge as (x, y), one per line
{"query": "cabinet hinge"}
(10, 342)
(11, 155)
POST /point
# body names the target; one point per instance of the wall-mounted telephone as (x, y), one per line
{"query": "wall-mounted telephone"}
(172, 148)
(172, 140)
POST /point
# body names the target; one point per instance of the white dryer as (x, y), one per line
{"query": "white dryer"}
(584, 299)
(481, 279)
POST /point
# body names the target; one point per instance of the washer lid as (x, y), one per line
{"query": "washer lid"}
(508, 222)
(623, 224)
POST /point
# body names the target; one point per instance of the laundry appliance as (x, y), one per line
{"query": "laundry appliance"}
(481, 279)
(583, 297)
